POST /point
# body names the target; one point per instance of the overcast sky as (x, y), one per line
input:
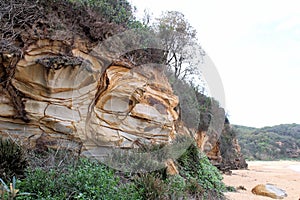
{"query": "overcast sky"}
(255, 46)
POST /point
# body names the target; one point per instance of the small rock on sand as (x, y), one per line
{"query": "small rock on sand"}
(269, 190)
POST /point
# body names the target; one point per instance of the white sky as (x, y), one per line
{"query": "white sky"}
(255, 46)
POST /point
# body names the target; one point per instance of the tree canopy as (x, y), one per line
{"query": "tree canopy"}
(180, 42)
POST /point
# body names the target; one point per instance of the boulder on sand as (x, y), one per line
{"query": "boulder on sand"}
(269, 190)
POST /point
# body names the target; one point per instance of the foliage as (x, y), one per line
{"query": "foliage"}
(55, 178)
(179, 40)
(197, 176)
(190, 107)
(57, 175)
(51, 159)
(292, 130)
(197, 110)
(88, 180)
(12, 159)
(201, 175)
(269, 143)
(152, 186)
(92, 180)
(22, 21)
(231, 189)
(155, 186)
(10, 192)
(138, 160)
(117, 11)
(177, 186)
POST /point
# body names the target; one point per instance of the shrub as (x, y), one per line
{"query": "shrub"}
(155, 186)
(88, 180)
(151, 186)
(202, 177)
(10, 192)
(12, 160)
(197, 177)
(52, 159)
(63, 178)
(177, 187)
(147, 158)
(117, 11)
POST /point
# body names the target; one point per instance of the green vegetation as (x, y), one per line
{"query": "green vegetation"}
(180, 43)
(117, 11)
(183, 57)
(57, 175)
(197, 177)
(200, 174)
(10, 192)
(269, 143)
(85, 180)
(12, 159)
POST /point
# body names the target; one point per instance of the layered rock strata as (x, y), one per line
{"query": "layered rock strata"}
(68, 95)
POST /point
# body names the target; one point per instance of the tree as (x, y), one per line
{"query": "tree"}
(179, 40)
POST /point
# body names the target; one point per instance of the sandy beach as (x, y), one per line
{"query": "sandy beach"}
(283, 174)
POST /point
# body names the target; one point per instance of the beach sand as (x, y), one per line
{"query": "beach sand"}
(283, 174)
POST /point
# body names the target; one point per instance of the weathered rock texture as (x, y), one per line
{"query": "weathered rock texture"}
(229, 150)
(72, 103)
(56, 92)
(56, 97)
(136, 104)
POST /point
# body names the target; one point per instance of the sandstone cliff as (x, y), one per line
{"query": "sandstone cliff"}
(58, 90)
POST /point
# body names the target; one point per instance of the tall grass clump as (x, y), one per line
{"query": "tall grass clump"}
(13, 160)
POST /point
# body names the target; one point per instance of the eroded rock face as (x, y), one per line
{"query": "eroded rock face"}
(59, 95)
(232, 157)
(51, 98)
(78, 103)
(137, 103)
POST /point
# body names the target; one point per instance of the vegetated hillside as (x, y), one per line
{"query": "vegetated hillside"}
(269, 143)
(50, 71)
(55, 40)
